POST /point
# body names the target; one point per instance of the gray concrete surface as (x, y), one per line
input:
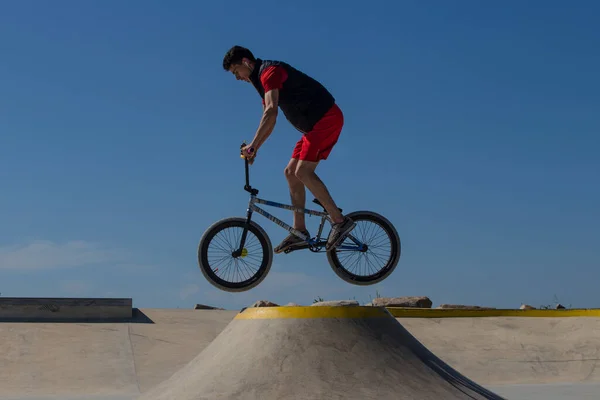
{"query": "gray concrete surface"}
(176, 337)
(79, 397)
(515, 350)
(59, 359)
(102, 359)
(519, 358)
(350, 358)
(550, 391)
(510, 392)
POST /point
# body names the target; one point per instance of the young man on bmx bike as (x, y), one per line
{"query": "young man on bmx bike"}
(312, 110)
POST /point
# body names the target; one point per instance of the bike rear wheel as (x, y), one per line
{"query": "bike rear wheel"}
(215, 255)
(349, 262)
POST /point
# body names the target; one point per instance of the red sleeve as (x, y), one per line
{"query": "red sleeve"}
(273, 77)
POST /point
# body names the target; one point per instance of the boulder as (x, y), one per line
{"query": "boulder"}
(264, 303)
(406, 301)
(526, 307)
(205, 307)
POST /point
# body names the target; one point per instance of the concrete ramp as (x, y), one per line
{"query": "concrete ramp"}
(102, 361)
(515, 350)
(278, 353)
(44, 309)
(41, 360)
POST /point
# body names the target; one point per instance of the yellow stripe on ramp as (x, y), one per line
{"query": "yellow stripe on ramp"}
(400, 312)
(313, 312)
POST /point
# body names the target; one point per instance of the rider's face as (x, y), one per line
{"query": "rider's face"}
(241, 71)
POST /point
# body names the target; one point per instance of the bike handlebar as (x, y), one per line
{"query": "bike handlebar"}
(247, 187)
(249, 151)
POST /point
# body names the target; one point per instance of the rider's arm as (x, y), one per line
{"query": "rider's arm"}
(272, 80)
(269, 117)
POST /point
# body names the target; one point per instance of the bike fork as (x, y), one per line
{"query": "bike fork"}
(238, 252)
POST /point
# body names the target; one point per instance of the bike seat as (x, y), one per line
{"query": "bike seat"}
(319, 203)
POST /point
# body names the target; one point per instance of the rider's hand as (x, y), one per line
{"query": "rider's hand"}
(249, 155)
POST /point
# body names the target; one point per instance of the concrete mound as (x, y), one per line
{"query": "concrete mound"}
(308, 353)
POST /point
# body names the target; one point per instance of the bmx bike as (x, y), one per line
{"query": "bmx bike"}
(258, 249)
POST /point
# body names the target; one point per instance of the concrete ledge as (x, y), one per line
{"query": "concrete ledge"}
(34, 309)
(407, 312)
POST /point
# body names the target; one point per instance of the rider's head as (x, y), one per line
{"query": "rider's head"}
(240, 62)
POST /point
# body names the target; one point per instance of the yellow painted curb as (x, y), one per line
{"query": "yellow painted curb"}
(400, 312)
(313, 312)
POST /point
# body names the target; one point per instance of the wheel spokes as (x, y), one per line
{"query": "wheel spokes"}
(223, 263)
(369, 262)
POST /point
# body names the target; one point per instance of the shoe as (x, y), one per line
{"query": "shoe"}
(290, 241)
(338, 233)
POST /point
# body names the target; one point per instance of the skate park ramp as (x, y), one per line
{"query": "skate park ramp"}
(97, 356)
(514, 350)
(518, 354)
(110, 351)
(316, 353)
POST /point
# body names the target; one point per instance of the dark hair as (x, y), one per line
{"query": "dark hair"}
(235, 56)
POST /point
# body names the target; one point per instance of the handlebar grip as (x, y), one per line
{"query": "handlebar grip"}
(249, 151)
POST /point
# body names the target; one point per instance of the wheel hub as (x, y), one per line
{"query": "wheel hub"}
(237, 253)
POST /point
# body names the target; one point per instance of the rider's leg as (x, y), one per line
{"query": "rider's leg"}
(297, 193)
(316, 146)
(342, 225)
(305, 174)
(298, 197)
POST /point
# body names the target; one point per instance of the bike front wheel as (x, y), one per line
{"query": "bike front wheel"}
(377, 260)
(218, 263)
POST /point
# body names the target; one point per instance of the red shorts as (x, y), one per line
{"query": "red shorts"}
(317, 144)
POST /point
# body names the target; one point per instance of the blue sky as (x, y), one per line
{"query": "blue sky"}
(473, 127)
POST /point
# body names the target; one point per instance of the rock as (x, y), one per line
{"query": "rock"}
(464, 307)
(336, 303)
(264, 303)
(560, 307)
(292, 305)
(205, 307)
(526, 307)
(406, 301)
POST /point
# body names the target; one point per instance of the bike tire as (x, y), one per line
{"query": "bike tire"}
(390, 266)
(256, 278)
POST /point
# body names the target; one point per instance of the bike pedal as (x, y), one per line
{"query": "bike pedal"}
(294, 248)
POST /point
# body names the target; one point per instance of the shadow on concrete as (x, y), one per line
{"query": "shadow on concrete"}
(449, 374)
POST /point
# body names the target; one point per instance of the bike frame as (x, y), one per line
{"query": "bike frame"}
(252, 207)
